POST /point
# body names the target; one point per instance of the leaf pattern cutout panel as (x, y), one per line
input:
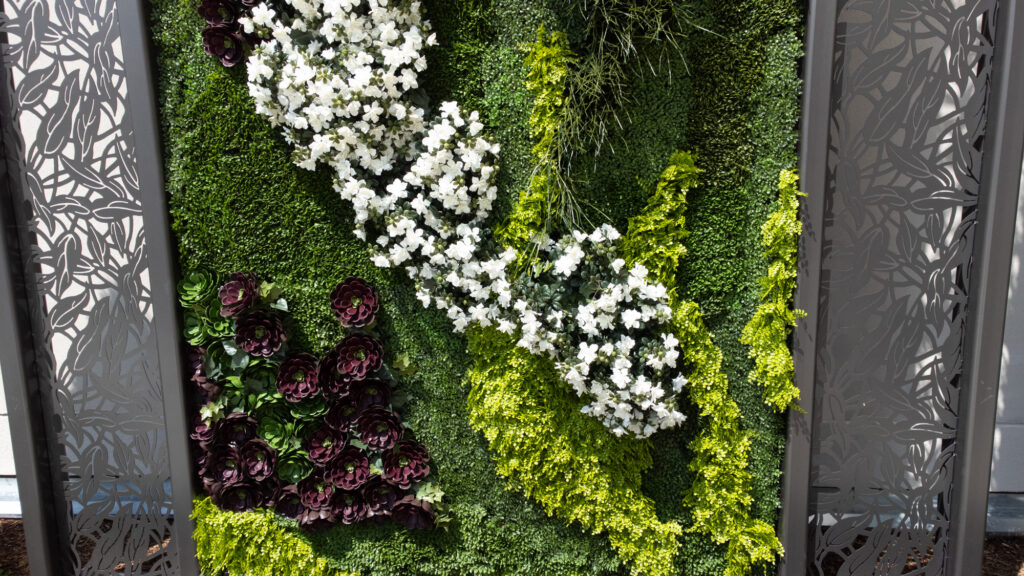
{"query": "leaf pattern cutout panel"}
(89, 296)
(909, 91)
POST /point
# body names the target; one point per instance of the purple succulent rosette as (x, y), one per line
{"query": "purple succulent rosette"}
(349, 508)
(349, 470)
(218, 12)
(315, 520)
(315, 492)
(358, 356)
(342, 416)
(260, 333)
(289, 504)
(207, 389)
(329, 379)
(406, 464)
(238, 294)
(370, 392)
(355, 303)
(380, 498)
(297, 378)
(235, 429)
(379, 428)
(259, 459)
(224, 466)
(240, 497)
(201, 432)
(226, 43)
(324, 445)
(413, 513)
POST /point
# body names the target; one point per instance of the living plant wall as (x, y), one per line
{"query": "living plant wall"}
(484, 286)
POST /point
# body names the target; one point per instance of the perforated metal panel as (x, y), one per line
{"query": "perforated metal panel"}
(879, 467)
(84, 264)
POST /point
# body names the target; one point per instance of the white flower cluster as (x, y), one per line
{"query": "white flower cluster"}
(340, 77)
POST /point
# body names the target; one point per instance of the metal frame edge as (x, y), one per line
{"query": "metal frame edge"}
(814, 136)
(989, 282)
(142, 107)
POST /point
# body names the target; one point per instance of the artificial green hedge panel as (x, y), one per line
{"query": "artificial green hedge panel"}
(729, 95)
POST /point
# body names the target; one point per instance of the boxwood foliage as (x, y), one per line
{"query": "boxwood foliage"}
(237, 203)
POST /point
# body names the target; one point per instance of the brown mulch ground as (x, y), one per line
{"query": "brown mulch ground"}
(1004, 556)
(13, 560)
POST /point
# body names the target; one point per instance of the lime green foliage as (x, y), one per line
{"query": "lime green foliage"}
(237, 203)
(547, 62)
(767, 334)
(656, 235)
(719, 497)
(258, 543)
(562, 458)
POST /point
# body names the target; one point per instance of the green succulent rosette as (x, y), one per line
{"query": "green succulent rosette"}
(196, 288)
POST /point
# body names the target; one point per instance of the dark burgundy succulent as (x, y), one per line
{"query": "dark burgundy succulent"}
(379, 428)
(239, 293)
(289, 504)
(201, 432)
(380, 497)
(331, 382)
(226, 43)
(349, 507)
(315, 492)
(317, 520)
(235, 429)
(260, 333)
(239, 497)
(349, 470)
(355, 303)
(370, 392)
(224, 466)
(208, 389)
(414, 514)
(324, 444)
(358, 356)
(405, 464)
(342, 416)
(297, 377)
(259, 459)
(218, 12)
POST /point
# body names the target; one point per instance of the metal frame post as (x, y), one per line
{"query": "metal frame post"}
(814, 133)
(142, 100)
(993, 249)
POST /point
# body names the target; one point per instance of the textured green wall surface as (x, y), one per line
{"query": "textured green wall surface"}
(237, 203)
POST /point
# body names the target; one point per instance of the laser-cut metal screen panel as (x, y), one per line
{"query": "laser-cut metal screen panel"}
(85, 268)
(910, 85)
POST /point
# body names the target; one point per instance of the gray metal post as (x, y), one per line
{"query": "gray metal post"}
(820, 39)
(134, 36)
(997, 208)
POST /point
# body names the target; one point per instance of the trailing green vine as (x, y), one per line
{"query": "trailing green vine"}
(720, 496)
(547, 63)
(768, 331)
(656, 235)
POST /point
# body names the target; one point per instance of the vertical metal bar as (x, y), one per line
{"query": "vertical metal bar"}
(28, 438)
(142, 105)
(993, 249)
(814, 136)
